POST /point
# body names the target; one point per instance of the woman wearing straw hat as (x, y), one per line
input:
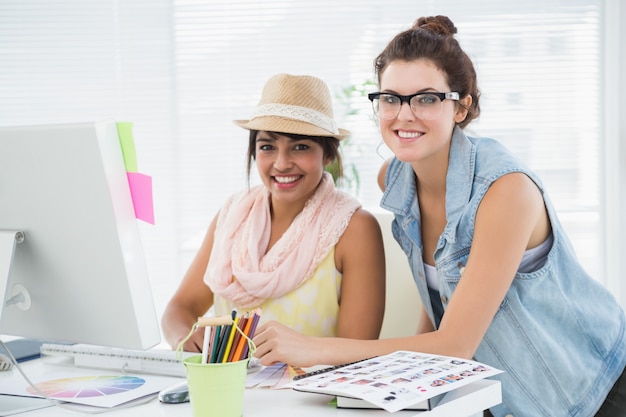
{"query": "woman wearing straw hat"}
(295, 246)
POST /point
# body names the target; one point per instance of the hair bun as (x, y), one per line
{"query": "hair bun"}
(440, 25)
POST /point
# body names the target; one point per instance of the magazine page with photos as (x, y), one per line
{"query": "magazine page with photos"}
(397, 380)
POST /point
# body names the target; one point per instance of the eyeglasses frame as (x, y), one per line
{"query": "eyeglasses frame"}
(452, 95)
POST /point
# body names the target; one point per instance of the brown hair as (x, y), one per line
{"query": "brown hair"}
(329, 144)
(432, 38)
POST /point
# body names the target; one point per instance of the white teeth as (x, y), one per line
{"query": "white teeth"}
(285, 180)
(408, 135)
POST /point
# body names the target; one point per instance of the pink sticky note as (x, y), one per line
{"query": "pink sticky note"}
(141, 193)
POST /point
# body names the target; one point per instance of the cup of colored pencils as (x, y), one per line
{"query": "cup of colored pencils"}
(216, 378)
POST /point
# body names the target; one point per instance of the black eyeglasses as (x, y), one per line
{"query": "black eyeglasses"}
(426, 106)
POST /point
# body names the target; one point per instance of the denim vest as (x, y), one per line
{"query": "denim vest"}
(558, 334)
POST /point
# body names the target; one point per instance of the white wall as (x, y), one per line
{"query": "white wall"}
(402, 302)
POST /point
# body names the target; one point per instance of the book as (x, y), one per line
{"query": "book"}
(26, 349)
(421, 405)
(470, 399)
(393, 382)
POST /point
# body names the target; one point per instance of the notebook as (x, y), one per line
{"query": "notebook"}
(24, 349)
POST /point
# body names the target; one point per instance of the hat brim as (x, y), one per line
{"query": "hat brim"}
(284, 125)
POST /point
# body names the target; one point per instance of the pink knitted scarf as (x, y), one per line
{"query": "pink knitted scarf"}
(239, 269)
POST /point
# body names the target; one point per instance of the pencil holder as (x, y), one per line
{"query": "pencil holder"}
(216, 389)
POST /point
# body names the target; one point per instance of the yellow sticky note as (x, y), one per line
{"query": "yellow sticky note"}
(125, 133)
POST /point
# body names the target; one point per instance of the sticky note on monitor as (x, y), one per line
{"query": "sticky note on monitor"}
(141, 193)
(127, 142)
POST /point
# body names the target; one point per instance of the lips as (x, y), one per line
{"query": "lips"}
(286, 182)
(403, 134)
(287, 179)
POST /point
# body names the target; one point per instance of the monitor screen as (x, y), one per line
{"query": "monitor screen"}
(79, 274)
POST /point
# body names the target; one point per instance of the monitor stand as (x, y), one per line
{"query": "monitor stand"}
(8, 240)
(10, 404)
(19, 295)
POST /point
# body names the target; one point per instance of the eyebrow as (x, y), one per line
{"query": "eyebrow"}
(423, 90)
(272, 139)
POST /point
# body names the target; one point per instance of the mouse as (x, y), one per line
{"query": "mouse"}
(178, 393)
(5, 362)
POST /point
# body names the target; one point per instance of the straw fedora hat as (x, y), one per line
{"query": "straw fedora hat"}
(297, 104)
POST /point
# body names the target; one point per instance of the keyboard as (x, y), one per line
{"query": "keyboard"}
(152, 361)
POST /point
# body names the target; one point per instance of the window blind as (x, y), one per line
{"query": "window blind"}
(182, 70)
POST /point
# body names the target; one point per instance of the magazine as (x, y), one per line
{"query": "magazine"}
(397, 381)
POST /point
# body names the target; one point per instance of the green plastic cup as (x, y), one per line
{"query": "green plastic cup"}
(216, 389)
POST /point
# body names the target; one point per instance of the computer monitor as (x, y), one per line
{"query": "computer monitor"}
(79, 275)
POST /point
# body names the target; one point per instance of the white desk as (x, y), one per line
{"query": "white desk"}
(263, 402)
(278, 403)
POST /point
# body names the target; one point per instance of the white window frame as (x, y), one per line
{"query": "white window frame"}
(615, 148)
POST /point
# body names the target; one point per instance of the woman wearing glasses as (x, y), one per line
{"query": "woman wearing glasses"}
(498, 278)
(304, 252)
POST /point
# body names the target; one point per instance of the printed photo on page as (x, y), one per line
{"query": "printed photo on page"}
(396, 381)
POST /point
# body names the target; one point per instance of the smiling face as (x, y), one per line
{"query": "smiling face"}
(410, 138)
(290, 168)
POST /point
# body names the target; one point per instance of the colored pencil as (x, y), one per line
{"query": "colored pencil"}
(224, 336)
(216, 344)
(255, 320)
(205, 344)
(229, 342)
(238, 339)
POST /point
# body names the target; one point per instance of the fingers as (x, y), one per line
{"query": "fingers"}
(278, 343)
(266, 340)
(262, 346)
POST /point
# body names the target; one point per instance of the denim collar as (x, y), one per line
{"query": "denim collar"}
(400, 195)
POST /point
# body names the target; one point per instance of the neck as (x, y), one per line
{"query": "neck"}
(431, 175)
(284, 213)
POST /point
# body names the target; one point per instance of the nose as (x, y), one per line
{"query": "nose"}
(406, 112)
(283, 160)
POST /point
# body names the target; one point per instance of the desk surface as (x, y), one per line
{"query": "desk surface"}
(277, 403)
(263, 402)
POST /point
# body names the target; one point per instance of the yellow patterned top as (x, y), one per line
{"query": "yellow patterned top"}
(311, 309)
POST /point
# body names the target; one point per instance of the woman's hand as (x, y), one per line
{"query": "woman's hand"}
(278, 343)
